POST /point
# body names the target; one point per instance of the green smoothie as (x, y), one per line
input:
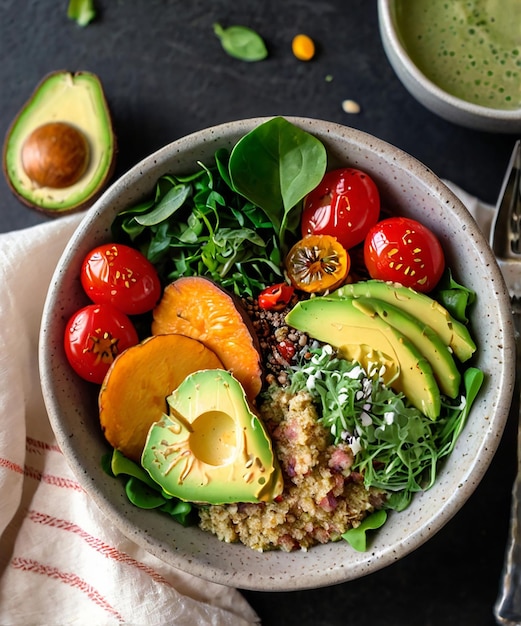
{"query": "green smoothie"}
(469, 48)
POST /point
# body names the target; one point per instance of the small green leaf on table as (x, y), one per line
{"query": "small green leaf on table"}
(81, 11)
(241, 42)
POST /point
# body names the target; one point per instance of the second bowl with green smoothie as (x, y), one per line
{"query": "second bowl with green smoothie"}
(461, 59)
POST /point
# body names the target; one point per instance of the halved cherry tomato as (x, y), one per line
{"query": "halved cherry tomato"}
(317, 263)
(121, 276)
(94, 336)
(276, 297)
(344, 205)
(402, 250)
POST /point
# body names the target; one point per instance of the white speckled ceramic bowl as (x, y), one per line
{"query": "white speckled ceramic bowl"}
(429, 94)
(71, 403)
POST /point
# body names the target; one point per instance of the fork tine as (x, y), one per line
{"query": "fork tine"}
(516, 212)
(504, 235)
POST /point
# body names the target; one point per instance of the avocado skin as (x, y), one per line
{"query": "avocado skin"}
(212, 448)
(103, 157)
(452, 332)
(340, 323)
(422, 336)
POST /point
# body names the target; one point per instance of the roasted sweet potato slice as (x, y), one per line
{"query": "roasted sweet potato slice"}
(196, 307)
(133, 394)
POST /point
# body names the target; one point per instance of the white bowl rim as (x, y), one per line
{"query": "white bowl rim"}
(388, 25)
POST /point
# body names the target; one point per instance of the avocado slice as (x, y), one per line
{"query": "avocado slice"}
(452, 332)
(59, 152)
(423, 337)
(212, 448)
(347, 327)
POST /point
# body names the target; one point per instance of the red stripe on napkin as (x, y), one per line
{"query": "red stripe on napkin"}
(49, 479)
(94, 542)
(35, 567)
(13, 467)
(38, 447)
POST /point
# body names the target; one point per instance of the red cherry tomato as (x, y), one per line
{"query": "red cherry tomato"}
(344, 205)
(121, 276)
(94, 336)
(402, 250)
(276, 297)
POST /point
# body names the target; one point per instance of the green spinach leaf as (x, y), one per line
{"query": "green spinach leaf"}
(145, 493)
(167, 206)
(357, 537)
(275, 166)
(454, 297)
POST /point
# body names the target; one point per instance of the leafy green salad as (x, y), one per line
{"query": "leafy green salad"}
(234, 221)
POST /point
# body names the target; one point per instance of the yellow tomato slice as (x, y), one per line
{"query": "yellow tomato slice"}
(317, 263)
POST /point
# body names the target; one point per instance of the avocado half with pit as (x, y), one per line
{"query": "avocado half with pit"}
(59, 152)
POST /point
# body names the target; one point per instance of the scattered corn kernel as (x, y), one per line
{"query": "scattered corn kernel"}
(303, 47)
(350, 106)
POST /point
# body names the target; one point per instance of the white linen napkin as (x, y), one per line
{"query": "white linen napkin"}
(60, 561)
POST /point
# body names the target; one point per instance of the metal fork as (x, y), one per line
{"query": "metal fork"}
(505, 241)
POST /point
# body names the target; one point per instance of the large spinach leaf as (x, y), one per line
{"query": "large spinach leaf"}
(275, 166)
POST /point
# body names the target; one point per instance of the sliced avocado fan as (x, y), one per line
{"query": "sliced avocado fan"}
(346, 326)
(452, 332)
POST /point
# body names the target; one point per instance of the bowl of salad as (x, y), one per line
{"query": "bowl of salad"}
(269, 358)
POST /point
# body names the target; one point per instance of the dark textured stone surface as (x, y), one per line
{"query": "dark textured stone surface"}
(165, 75)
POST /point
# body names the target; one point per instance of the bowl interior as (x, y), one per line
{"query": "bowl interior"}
(428, 93)
(72, 403)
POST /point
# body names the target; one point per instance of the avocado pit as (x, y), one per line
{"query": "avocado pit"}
(55, 155)
(213, 438)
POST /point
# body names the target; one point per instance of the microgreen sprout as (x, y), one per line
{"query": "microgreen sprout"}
(199, 226)
(396, 447)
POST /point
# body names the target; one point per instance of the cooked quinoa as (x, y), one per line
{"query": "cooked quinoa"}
(322, 497)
